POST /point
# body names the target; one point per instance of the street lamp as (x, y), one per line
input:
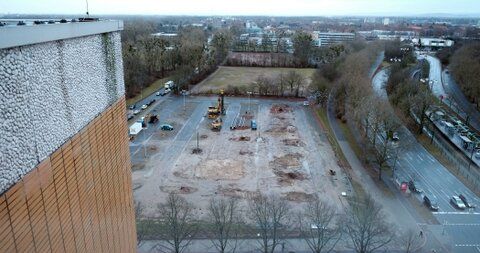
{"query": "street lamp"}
(144, 139)
(471, 157)
(249, 103)
(184, 92)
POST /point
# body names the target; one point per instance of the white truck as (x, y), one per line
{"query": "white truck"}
(169, 85)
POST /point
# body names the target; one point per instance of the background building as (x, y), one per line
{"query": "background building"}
(329, 38)
(65, 178)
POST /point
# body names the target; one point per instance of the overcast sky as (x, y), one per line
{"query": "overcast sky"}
(243, 7)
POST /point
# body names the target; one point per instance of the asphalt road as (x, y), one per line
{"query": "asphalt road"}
(443, 85)
(148, 98)
(416, 163)
(462, 102)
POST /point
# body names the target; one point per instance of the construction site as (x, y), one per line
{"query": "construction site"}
(235, 147)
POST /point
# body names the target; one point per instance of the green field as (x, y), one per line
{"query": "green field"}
(243, 78)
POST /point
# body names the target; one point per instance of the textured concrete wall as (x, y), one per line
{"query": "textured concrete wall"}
(79, 199)
(49, 92)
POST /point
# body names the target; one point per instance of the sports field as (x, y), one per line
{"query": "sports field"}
(243, 78)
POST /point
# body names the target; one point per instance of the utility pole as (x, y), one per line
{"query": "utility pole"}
(144, 140)
(184, 92)
(88, 15)
(249, 103)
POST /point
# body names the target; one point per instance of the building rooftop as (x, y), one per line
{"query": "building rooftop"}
(20, 32)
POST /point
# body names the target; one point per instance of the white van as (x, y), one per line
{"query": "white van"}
(169, 85)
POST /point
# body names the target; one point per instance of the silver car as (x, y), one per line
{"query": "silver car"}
(457, 202)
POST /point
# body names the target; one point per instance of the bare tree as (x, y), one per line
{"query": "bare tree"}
(384, 149)
(223, 214)
(295, 81)
(365, 225)
(141, 224)
(421, 102)
(178, 229)
(320, 230)
(410, 241)
(270, 214)
(281, 83)
(263, 85)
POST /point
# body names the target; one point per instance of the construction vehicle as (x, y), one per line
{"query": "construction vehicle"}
(151, 118)
(219, 109)
(217, 124)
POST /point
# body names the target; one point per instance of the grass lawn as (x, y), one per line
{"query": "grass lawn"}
(322, 113)
(243, 77)
(154, 87)
(357, 149)
(357, 187)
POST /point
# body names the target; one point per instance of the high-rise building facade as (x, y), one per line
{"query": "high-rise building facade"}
(330, 38)
(65, 181)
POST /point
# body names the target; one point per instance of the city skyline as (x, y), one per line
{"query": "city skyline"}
(247, 7)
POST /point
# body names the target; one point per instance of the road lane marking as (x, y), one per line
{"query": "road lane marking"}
(420, 157)
(467, 213)
(463, 224)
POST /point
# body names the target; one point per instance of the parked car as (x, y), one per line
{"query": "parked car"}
(413, 187)
(158, 93)
(306, 103)
(166, 127)
(132, 107)
(151, 102)
(167, 90)
(457, 203)
(465, 201)
(141, 120)
(130, 116)
(477, 154)
(144, 107)
(136, 112)
(430, 203)
(395, 136)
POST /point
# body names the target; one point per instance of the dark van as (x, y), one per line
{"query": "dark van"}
(430, 203)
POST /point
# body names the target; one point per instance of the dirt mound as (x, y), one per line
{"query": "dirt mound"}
(280, 108)
(178, 189)
(196, 151)
(238, 193)
(288, 160)
(288, 178)
(243, 152)
(226, 169)
(293, 142)
(299, 196)
(241, 138)
(244, 138)
(291, 129)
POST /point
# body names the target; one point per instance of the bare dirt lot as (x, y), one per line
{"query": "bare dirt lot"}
(287, 155)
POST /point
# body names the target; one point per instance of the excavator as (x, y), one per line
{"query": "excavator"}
(217, 124)
(219, 109)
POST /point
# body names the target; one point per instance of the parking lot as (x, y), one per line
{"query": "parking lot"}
(288, 154)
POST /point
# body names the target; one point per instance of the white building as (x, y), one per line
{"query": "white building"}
(328, 38)
(432, 42)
